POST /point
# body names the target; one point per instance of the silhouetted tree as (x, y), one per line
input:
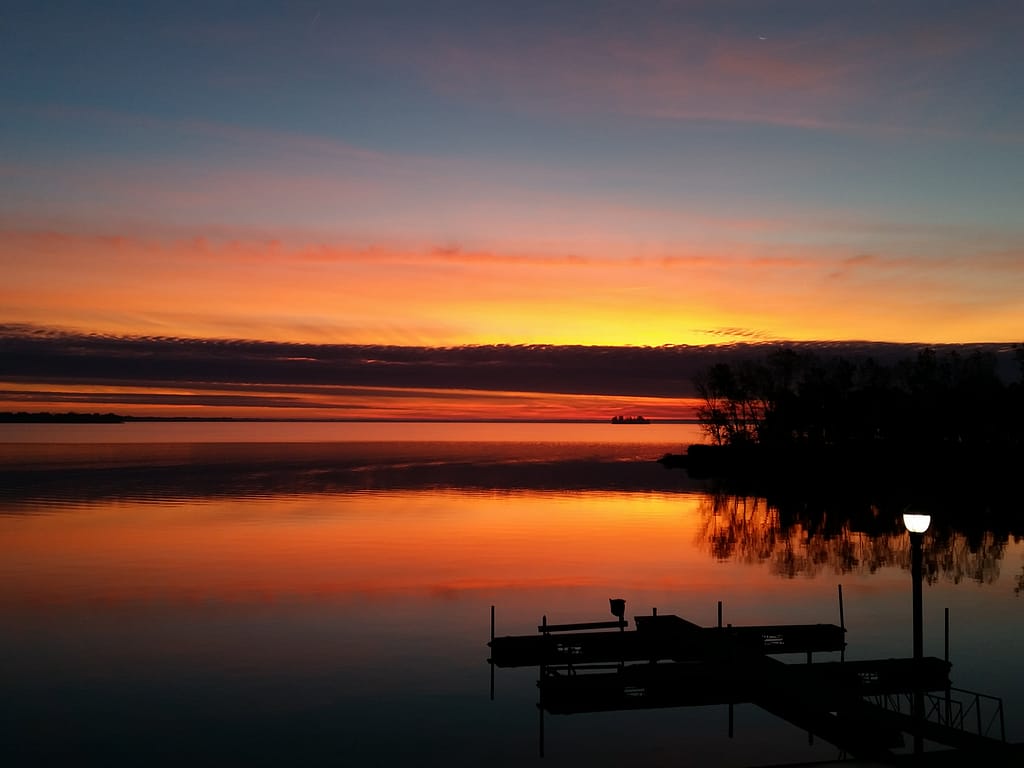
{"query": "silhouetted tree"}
(729, 413)
(791, 398)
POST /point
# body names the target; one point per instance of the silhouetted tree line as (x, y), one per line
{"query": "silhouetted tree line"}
(24, 417)
(792, 398)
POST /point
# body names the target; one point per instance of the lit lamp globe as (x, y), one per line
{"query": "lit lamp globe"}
(917, 523)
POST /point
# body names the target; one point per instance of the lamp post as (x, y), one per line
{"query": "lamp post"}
(916, 525)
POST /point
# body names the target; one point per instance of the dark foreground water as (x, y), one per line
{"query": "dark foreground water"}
(191, 597)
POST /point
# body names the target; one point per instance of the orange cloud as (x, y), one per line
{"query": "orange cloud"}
(309, 290)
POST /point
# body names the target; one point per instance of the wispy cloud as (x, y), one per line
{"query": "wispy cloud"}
(813, 71)
(232, 134)
(737, 334)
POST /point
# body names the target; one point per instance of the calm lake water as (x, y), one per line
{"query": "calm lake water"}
(320, 593)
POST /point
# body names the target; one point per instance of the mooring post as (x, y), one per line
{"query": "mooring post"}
(719, 614)
(842, 627)
(842, 616)
(946, 636)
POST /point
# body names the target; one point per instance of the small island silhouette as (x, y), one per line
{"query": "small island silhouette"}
(629, 420)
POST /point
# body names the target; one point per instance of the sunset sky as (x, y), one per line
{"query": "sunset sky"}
(447, 174)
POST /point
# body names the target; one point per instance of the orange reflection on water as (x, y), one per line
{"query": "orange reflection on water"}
(318, 546)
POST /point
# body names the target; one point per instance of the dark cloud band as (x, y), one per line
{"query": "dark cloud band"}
(42, 356)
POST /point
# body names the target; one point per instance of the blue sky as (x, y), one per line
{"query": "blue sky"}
(598, 173)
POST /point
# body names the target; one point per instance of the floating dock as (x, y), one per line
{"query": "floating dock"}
(687, 684)
(862, 707)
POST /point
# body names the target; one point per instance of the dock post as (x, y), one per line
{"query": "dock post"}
(719, 614)
(540, 684)
(977, 711)
(842, 616)
(491, 660)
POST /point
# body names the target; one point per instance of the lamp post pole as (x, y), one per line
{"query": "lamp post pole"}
(916, 526)
(916, 566)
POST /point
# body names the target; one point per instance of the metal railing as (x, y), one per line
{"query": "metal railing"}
(968, 711)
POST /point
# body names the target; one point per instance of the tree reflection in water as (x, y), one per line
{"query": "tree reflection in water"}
(750, 529)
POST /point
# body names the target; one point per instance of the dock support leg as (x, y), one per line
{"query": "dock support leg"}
(949, 693)
(540, 709)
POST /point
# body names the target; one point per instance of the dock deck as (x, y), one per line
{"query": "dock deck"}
(658, 638)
